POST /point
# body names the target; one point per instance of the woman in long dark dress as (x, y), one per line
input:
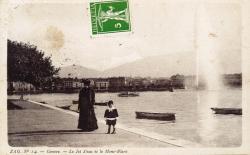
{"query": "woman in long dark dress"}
(87, 119)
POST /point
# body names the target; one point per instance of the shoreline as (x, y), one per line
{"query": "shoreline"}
(118, 91)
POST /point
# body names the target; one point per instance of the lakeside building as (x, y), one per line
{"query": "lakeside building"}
(147, 82)
(134, 83)
(178, 81)
(163, 82)
(101, 84)
(234, 80)
(117, 83)
(57, 84)
(73, 83)
(20, 86)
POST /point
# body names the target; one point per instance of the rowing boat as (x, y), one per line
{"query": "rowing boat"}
(96, 103)
(128, 94)
(101, 103)
(66, 107)
(155, 116)
(236, 111)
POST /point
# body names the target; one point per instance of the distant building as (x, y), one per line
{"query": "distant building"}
(117, 83)
(57, 84)
(102, 84)
(178, 81)
(20, 86)
(68, 84)
(162, 82)
(72, 83)
(78, 84)
(146, 82)
(137, 83)
(233, 80)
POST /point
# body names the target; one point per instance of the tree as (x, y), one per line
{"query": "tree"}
(28, 64)
(178, 81)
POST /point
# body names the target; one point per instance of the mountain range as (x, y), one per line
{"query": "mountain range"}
(78, 71)
(154, 66)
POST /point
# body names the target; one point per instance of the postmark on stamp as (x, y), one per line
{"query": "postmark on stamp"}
(110, 16)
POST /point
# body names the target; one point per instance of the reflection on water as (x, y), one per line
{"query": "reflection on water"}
(195, 121)
(207, 121)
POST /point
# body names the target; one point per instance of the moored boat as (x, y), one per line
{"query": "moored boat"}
(75, 102)
(101, 103)
(128, 94)
(43, 102)
(236, 111)
(155, 116)
(66, 107)
(96, 103)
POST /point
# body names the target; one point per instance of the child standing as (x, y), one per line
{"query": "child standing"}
(111, 116)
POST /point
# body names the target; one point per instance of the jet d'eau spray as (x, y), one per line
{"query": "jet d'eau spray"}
(207, 46)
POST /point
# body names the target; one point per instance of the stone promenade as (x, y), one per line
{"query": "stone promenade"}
(31, 124)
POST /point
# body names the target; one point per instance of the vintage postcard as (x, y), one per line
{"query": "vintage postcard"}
(124, 77)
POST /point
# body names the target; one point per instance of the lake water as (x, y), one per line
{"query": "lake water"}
(195, 121)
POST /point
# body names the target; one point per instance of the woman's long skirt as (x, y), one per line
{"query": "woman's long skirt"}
(87, 120)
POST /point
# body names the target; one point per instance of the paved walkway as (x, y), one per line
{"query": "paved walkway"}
(35, 124)
(31, 124)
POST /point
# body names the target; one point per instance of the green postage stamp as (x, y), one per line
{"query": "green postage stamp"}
(110, 16)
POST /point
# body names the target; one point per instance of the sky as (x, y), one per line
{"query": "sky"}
(160, 27)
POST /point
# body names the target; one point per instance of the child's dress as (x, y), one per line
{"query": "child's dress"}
(111, 115)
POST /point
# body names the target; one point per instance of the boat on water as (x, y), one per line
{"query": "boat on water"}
(155, 116)
(128, 94)
(101, 103)
(43, 102)
(96, 103)
(236, 111)
(66, 107)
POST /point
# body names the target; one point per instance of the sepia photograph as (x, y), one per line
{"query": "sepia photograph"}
(123, 74)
